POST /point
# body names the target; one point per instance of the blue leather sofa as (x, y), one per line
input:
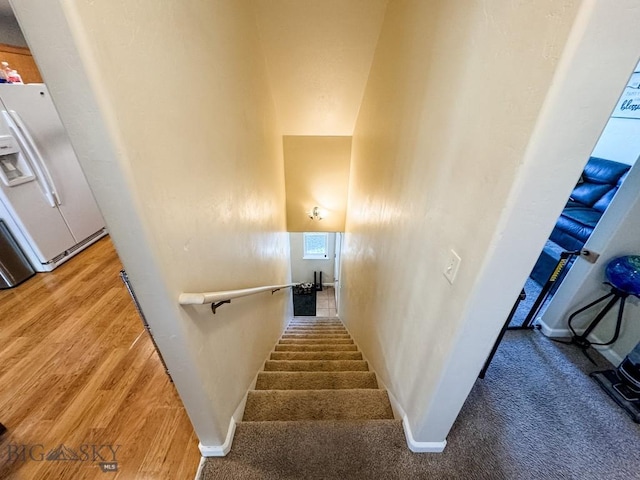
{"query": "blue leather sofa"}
(598, 184)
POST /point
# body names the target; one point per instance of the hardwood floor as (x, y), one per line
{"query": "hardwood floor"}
(78, 369)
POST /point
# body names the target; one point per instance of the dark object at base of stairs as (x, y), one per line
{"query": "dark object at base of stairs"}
(304, 304)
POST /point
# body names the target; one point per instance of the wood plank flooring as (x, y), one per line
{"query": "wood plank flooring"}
(78, 369)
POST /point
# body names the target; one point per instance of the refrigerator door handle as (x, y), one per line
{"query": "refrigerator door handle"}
(40, 176)
(29, 146)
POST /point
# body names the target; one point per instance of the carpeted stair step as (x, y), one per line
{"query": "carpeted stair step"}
(285, 405)
(316, 348)
(315, 335)
(315, 365)
(327, 326)
(322, 321)
(316, 329)
(317, 322)
(315, 380)
(321, 341)
(316, 356)
(329, 450)
(315, 332)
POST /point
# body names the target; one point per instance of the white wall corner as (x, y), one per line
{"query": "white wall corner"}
(220, 450)
(200, 467)
(607, 352)
(398, 412)
(548, 331)
(420, 447)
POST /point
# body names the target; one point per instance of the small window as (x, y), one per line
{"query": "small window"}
(315, 246)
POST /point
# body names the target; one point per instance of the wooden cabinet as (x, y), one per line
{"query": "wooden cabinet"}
(20, 59)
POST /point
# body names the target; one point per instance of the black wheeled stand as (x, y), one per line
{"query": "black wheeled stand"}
(581, 340)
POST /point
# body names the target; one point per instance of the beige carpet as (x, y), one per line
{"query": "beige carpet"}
(536, 416)
(306, 378)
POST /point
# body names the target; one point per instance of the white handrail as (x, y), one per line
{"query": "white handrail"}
(213, 297)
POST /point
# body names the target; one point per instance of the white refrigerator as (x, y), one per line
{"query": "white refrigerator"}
(44, 197)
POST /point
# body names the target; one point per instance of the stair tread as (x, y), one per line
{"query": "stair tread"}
(320, 424)
(316, 355)
(315, 332)
(316, 365)
(317, 320)
(302, 341)
(315, 380)
(317, 347)
(347, 404)
(320, 323)
(316, 327)
(335, 323)
(315, 335)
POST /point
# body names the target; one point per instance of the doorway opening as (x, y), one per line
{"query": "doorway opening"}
(600, 203)
(315, 260)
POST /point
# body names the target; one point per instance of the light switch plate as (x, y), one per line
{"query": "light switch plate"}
(451, 269)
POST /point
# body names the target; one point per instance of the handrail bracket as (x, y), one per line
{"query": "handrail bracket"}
(214, 306)
(275, 290)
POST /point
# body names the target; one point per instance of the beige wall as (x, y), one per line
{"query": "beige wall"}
(317, 174)
(450, 106)
(171, 114)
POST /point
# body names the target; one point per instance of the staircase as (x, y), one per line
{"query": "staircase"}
(316, 373)
(316, 413)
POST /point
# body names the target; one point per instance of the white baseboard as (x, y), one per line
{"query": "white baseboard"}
(420, 447)
(398, 412)
(607, 352)
(200, 467)
(552, 332)
(220, 450)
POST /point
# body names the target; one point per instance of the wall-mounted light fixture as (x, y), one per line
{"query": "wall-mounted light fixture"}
(316, 214)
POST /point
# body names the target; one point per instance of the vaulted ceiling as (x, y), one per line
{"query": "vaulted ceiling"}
(318, 55)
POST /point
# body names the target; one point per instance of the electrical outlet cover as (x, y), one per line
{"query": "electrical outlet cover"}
(451, 269)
